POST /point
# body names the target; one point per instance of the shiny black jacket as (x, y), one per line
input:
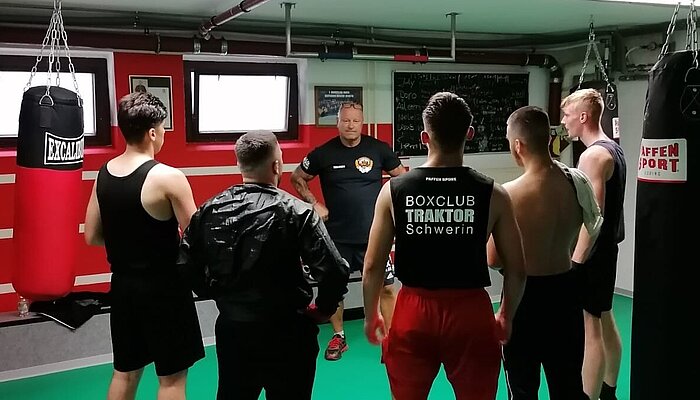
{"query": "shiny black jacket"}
(244, 248)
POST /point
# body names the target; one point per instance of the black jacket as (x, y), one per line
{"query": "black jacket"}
(244, 248)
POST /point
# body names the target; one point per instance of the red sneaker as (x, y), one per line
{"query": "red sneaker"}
(336, 346)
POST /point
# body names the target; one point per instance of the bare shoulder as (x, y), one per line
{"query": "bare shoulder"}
(595, 154)
(499, 197)
(166, 171)
(166, 176)
(515, 185)
(596, 161)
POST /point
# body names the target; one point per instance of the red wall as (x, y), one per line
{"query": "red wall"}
(176, 152)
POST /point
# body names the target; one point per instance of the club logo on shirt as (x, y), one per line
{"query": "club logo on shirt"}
(305, 163)
(364, 164)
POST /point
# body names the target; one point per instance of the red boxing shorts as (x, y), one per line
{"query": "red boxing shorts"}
(451, 327)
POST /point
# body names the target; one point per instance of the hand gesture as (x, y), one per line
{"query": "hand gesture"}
(321, 210)
(375, 330)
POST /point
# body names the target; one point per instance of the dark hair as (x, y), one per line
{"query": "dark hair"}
(138, 112)
(255, 148)
(448, 118)
(532, 124)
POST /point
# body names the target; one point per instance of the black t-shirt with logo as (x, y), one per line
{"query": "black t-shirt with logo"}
(441, 217)
(351, 178)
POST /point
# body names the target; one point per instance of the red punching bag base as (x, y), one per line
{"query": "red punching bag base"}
(45, 233)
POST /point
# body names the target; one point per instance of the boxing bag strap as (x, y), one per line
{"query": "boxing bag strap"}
(610, 99)
(56, 40)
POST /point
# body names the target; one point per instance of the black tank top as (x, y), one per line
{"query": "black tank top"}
(441, 217)
(134, 241)
(613, 229)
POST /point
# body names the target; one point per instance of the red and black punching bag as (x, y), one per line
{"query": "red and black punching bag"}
(47, 192)
(665, 349)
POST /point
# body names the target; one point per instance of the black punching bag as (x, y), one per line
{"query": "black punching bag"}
(665, 348)
(609, 121)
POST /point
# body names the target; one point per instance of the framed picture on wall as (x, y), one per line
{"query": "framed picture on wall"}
(327, 101)
(159, 86)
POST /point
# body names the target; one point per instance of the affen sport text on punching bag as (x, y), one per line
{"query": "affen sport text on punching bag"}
(47, 192)
(665, 349)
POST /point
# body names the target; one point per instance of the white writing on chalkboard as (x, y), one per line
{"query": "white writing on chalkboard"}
(492, 97)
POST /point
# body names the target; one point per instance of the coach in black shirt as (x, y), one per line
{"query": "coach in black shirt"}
(350, 169)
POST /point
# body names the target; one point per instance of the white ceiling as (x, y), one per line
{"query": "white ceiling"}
(477, 16)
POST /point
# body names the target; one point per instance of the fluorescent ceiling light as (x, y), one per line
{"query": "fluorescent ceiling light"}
(654, 2)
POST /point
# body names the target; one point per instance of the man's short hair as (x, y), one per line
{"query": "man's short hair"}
(138, 112)
(349, 104)
(590, 99)
(254, 149)
(532, 124)
(448, 118)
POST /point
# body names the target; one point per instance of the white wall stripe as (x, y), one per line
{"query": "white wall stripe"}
(8, 233)
(93, 279)
(6, 288)
(80, 280)
(188, 171)
(89, 175)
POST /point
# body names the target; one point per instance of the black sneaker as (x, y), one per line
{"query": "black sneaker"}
(336, 346)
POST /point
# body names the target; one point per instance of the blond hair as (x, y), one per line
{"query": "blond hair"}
(589, 99)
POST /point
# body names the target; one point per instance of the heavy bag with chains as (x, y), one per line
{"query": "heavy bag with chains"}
(666, 274)
(48, 188)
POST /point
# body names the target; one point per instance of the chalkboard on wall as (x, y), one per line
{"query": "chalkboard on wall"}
(492, 97)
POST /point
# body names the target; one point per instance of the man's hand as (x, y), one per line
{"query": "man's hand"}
(315, 315)
(321, 210)
(375, 329)
(503, 328)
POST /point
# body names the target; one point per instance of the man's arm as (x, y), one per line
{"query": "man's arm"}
(325, 263)
(508, 244)
(190, 260)
(397, 171)
(596, 163)
(300, 181)
(93, 220)
(381, 237)
(179, 192)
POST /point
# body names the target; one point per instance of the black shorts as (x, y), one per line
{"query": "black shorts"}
(251, 358)
(354, 254)
(153, 319)
(598, 275)
(548, 335)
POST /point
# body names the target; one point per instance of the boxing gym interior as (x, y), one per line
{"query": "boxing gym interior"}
(226, 67)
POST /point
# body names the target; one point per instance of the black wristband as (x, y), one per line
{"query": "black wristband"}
(575, 265)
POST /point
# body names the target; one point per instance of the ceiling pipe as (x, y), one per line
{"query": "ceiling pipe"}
(128, 41)
(348, 51)
(243, 7)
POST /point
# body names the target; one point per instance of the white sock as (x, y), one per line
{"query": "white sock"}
(341, 333)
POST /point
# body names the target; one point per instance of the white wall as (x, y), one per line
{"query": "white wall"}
(631, 100)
